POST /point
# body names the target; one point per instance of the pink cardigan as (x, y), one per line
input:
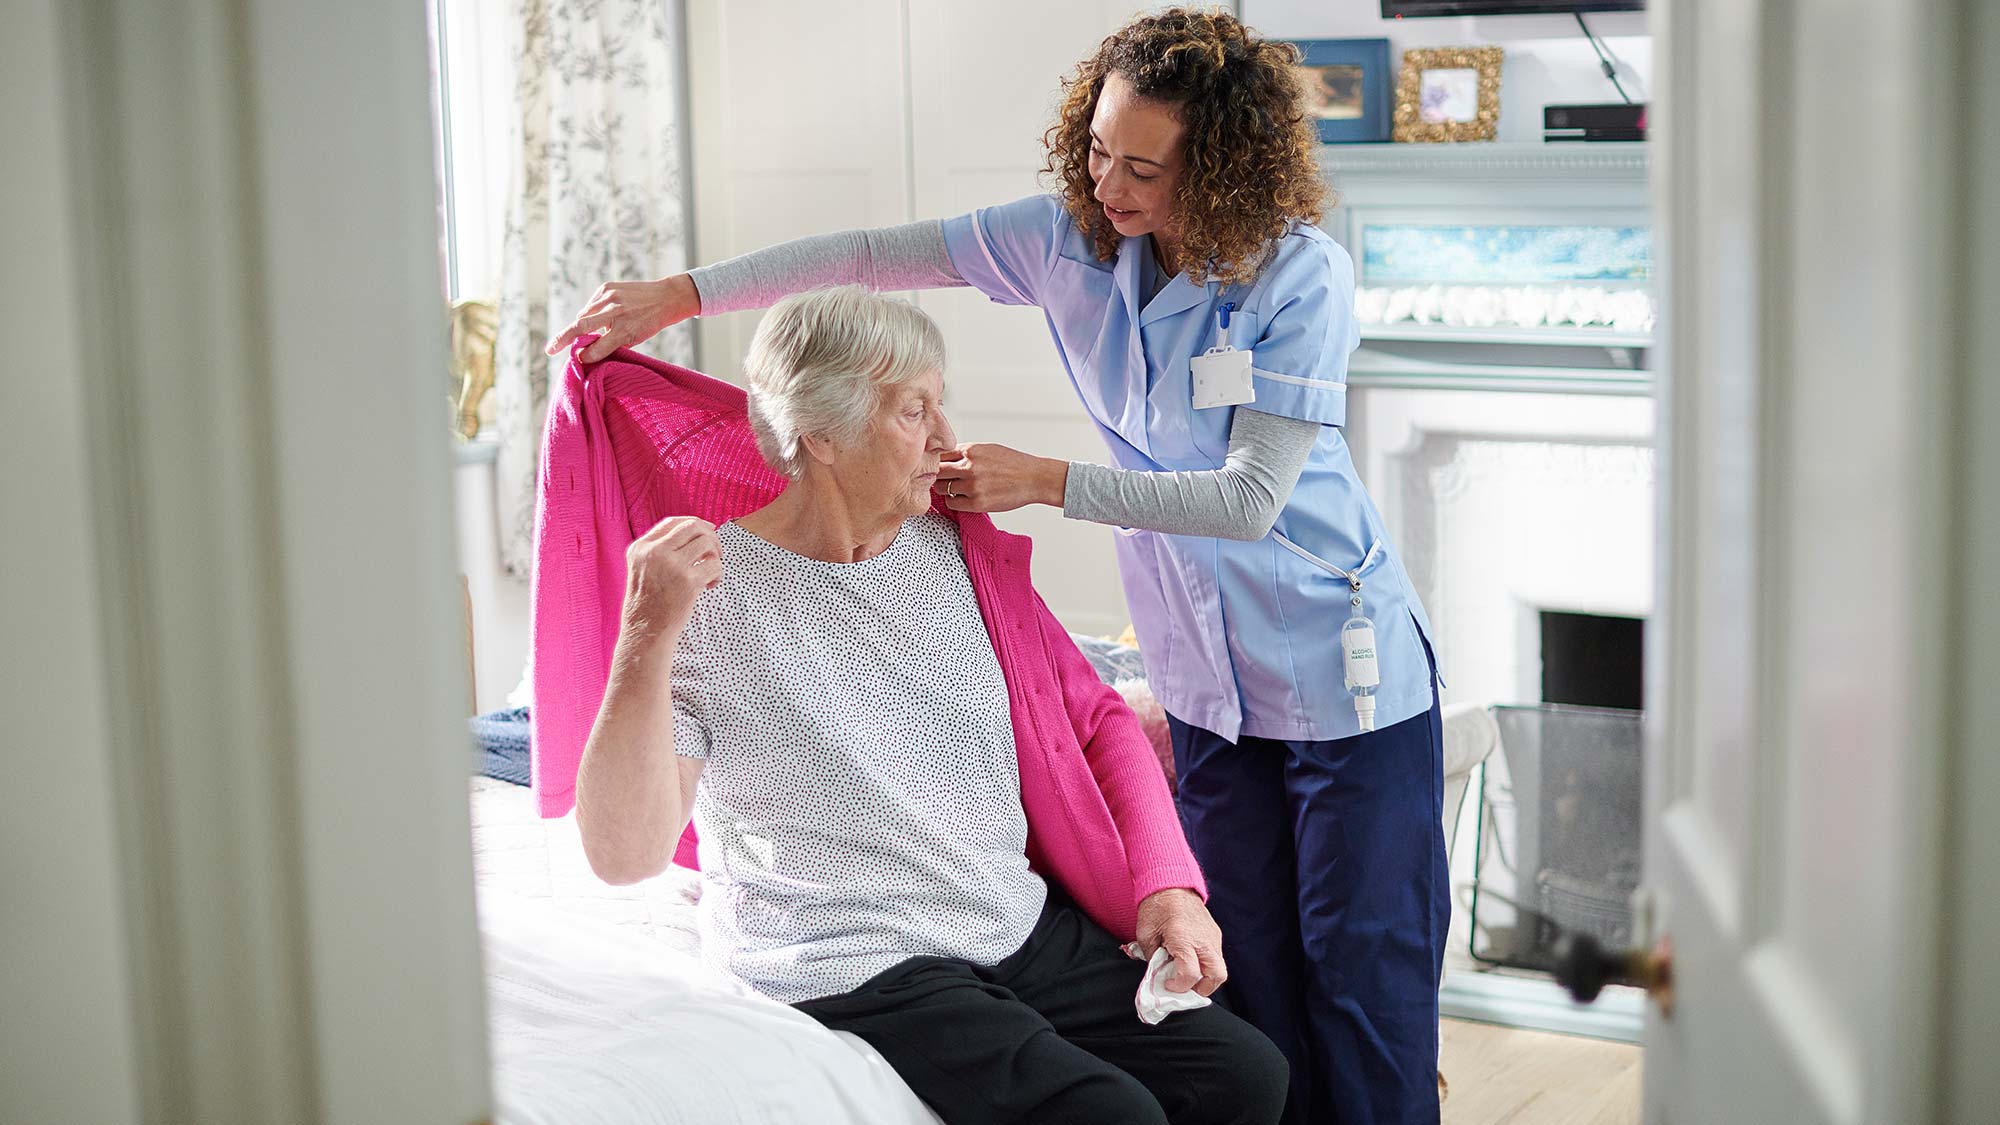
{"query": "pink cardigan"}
(632, 440)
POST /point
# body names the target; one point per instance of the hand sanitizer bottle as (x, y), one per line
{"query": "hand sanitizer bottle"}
(1364, 672)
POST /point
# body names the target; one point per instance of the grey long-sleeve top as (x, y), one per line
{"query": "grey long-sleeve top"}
(1240, 500)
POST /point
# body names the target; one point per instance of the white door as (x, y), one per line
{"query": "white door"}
(1799, 812)
(237, 874)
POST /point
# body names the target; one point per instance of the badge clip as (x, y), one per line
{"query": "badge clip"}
(1221, 375)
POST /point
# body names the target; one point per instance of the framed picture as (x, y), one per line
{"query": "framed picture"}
(1448, 94)
(1347, 87)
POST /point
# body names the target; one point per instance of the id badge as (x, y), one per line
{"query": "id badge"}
(1222, 378)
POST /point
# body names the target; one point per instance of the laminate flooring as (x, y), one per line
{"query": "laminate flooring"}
(1504, 1074)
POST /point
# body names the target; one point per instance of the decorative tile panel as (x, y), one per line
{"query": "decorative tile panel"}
(1401, 254)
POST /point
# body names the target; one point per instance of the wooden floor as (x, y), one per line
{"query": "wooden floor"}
(1500, 1074)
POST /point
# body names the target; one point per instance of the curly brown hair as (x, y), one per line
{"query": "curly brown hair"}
(1251, 145)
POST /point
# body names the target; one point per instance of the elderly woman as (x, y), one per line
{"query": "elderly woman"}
(816, 684)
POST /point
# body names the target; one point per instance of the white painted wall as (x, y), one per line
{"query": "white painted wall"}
(1547, 60)
(940, 109)
(501, 602)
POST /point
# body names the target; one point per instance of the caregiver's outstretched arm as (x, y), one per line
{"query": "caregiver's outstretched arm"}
(1240, 500)
(910, 256)
(633, 793)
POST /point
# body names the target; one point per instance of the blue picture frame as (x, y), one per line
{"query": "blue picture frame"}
(1371, 56)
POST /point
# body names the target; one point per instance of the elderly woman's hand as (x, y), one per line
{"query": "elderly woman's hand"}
(630, 312)
(666, 569)
(983, 477)
(1178, 919)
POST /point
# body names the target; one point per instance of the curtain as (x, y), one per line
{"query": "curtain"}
(594, 195)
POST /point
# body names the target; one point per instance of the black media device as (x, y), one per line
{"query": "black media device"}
(1421, 9)
(1611, 121)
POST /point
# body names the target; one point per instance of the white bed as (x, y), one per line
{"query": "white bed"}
(600, 1009)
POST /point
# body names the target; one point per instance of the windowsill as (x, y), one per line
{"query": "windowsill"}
(480, 450)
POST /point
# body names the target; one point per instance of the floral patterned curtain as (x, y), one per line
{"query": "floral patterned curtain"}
(595, 196)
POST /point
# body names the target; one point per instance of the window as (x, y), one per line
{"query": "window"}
(471, 97)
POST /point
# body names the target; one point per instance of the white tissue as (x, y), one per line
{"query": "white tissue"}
(1155, 1002)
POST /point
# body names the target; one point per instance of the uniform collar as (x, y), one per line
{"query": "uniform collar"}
(1179, 296)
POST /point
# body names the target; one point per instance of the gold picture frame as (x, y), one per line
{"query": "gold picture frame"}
(1461, 103)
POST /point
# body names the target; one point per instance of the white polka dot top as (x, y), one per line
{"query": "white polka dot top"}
(861, 800)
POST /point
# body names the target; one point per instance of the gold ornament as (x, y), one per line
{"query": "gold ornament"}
(474, 327)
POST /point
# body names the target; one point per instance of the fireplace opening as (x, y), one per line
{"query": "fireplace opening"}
(1593, 660)
(1572, 798)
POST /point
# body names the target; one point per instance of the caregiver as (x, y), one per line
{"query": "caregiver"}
(1278, 627)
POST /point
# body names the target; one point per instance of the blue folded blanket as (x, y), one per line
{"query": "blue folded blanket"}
(502, 737)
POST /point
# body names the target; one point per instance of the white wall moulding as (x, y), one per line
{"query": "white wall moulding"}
(1411, 362)
(1512, 1001)
(1502, 334)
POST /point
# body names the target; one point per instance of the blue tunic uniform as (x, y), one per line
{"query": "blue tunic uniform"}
(1322, 843)
(1239, 638)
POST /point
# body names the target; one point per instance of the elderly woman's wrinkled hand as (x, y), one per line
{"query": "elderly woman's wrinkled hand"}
(983, 477)
(1178, 919)
(667, 569)
(624, 313)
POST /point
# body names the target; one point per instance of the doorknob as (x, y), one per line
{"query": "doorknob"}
(1584, 967)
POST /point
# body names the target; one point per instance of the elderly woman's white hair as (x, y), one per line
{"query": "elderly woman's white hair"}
(821, 362)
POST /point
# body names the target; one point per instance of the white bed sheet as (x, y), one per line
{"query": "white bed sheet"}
(600, 1010)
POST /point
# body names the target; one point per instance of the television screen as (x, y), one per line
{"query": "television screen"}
(1418, 9)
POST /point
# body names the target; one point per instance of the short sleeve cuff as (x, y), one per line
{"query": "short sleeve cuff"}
(1294, 396)
(1005, 251)
(690, 736)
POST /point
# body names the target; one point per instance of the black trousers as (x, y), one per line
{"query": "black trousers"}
(1050, 1035)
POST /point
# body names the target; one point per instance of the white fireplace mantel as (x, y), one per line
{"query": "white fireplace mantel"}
(1514, 466)
(1522, 184)
(1351, 167)
(1425, 397)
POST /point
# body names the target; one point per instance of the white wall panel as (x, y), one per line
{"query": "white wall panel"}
(879, 113)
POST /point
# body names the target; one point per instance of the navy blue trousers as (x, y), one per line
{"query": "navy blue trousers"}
(1326, 871)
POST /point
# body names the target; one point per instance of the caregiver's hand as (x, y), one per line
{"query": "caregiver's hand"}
(1179, 920)
(982, 477)
(630, 312)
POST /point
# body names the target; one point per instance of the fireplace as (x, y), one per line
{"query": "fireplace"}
(1593, 659)
(1501, 413)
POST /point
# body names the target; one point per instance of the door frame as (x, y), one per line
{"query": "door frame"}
(233, 319)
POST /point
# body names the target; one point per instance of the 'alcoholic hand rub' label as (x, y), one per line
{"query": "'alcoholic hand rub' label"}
(1357, 644)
